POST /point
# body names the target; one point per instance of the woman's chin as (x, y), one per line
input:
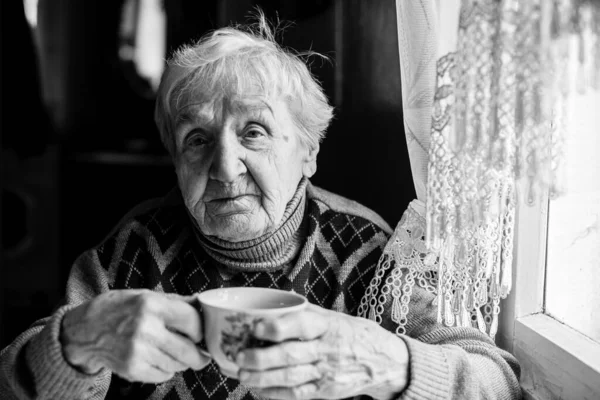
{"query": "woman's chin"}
(237, 227)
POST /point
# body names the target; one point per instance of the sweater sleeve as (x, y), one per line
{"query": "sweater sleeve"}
(33, 365)
(451, 362)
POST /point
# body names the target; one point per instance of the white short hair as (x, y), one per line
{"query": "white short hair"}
(236, 60)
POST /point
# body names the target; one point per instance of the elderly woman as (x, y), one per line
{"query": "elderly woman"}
(242, 119)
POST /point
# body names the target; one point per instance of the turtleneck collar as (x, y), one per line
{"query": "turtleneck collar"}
(269, 252)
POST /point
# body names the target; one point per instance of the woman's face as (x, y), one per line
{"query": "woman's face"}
(238, 164)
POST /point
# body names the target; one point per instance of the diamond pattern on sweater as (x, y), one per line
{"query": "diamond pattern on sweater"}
(357, 282)
(137, 268)
(272, 280)
(346, 233)
(321, 280)
(209, 383)
(186, 274)
(164, 224)
(106, 251)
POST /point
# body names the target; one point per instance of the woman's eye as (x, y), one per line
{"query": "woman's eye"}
(196, 141)
(254, 133)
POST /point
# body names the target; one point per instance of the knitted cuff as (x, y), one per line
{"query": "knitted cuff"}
(54, 377)
(429, 374)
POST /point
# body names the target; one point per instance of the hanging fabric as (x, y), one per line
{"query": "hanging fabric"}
(485, 90)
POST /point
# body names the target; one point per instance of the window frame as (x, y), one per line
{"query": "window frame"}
(556, 360)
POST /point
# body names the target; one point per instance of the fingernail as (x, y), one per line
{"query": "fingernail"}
(239, 359)
(260, 328)
(204, 352)
(244, 375)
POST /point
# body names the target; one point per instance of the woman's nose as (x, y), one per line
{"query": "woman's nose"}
(227, 164)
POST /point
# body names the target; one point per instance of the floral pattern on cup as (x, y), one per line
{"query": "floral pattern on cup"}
(238, 335)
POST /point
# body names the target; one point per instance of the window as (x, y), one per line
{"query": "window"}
(572, 294)
(552, 318)
(142, 46)
(31, 12)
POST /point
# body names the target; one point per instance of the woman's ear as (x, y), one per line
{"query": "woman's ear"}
(309, 167)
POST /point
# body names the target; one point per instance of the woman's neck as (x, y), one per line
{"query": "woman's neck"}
(269, 252)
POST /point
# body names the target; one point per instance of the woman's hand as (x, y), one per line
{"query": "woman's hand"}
(138, 334)
(336, 356)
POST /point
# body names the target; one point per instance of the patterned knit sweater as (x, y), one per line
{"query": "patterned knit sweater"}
(327, 250)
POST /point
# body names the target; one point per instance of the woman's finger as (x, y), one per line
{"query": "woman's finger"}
(182, 317)
(181, 349)
(304, 325)
(281, 377)
(302, 392)
(157, 358)
(279, 355)
(148, 374)
(146, 364)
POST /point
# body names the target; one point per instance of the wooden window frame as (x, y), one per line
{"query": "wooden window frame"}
(556, 360)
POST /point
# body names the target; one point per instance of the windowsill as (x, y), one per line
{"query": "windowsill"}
(557, 361)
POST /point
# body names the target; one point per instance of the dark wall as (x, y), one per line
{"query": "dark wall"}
(364, 156)
(28, 182)
(107, 156)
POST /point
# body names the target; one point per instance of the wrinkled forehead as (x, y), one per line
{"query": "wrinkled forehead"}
(222, 85)
(211, 109)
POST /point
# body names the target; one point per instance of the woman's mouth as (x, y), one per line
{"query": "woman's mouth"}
(228, 205)
(228, 200)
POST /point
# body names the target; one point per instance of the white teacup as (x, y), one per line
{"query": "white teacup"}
(230, 315)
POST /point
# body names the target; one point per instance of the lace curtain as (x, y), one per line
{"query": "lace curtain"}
(485, 89)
